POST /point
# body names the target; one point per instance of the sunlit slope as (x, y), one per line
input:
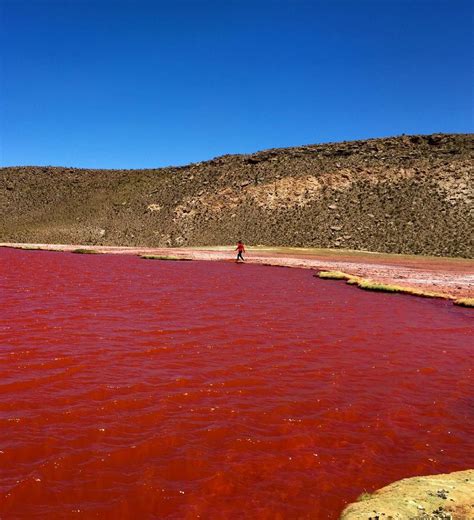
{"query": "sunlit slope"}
(408, 194)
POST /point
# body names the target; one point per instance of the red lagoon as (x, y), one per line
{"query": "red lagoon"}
(147, 389)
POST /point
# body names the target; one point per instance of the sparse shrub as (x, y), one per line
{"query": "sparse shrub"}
(163, 257)
(85, 251)
(370, 285)
(364, 496)
(333, 275)
(465, 302)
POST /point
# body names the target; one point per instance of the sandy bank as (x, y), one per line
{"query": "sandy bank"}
(449, 277)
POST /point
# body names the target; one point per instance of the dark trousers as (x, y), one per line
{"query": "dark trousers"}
(239, 256)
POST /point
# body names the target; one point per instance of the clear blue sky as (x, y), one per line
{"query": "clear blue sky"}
(134, 84)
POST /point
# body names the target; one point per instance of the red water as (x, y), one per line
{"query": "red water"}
(147, 389)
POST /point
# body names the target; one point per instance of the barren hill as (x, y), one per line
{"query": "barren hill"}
(408, 194)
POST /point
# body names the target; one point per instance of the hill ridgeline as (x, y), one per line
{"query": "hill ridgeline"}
(408, 194)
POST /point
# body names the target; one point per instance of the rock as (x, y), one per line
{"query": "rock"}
(153, 207)
(332, 206)
(336, 228)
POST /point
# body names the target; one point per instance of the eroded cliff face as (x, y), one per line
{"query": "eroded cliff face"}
(409, 194)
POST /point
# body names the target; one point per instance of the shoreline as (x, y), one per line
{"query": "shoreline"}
(449, 278)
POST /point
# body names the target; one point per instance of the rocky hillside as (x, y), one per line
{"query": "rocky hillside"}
(409, 194)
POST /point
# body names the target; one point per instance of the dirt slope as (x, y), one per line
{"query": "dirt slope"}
(409, 194)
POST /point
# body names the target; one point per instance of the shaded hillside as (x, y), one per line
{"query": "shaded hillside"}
(409, 194)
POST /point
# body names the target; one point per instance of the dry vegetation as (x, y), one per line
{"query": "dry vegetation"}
(85, 251)
(410, 194)
(371, 285)
(163, 257)
(465, 302)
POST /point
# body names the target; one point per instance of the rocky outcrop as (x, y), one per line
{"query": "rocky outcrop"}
(436, 497)
(409, 194)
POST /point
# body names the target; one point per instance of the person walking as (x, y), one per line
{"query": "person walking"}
(240, 249)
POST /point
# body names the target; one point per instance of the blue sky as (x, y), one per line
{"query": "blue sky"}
(122, 84)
